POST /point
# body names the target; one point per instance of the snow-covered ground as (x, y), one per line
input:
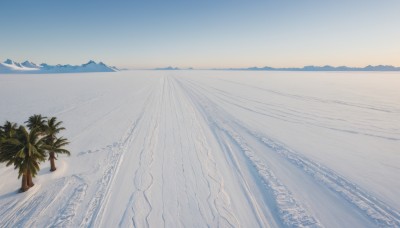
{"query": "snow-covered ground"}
(211, 148)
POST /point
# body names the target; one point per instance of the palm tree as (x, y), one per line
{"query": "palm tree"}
(36, 121)
(56, 147)
(1, 132)
(9, 129)
(1, 135)
(52, 128)
(25, 151)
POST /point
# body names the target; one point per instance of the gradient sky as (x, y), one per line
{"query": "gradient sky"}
(202, 33)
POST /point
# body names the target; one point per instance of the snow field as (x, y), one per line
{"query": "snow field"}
(211, 148)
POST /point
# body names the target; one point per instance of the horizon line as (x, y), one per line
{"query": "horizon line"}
(265, 67)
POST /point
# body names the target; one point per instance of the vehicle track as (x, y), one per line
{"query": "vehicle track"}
(375, 210)
(40, 201)
(115, 155)
(292, 213)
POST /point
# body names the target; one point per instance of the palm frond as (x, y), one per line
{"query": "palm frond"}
(36, 121)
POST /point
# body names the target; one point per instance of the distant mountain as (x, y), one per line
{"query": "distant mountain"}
(173, 68)
(323, 68)
(30, 64)
(167, 68)
(12, 67)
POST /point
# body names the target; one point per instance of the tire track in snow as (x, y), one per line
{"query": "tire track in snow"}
(22, 208)
(66, 214)
(257, 207)
(261, 221)
(294, 116)
(377, 211)
(191, 160)
(169, 193)
(291, 212)
(186, 160)
(198, 162)
(98, 202)
(139, 206)
(7, 206)
(319, 100)
(41, 201)
(166, 104)
(218, 196)
(143, 179)
(116, 151)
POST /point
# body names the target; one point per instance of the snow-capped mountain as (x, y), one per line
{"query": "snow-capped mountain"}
(9, 66)
(30, 64)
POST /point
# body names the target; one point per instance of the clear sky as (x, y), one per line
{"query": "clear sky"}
(202, 33)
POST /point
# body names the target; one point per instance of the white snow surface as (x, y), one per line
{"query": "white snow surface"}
(211, 148)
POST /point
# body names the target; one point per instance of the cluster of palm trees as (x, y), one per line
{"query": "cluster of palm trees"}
(26, 147)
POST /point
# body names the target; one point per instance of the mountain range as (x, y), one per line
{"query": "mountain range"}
(11, 67)
(173, 68)
(305, 68)
(323, 68)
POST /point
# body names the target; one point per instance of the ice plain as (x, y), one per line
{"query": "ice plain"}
(211, 148)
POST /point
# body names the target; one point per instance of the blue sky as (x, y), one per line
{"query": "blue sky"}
(202, 34)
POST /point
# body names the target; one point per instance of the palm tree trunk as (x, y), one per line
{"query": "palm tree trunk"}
(52, 162)
(29, 179)
(24, 183)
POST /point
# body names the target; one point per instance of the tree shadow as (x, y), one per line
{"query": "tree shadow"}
(9, 194)
(44, 171)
